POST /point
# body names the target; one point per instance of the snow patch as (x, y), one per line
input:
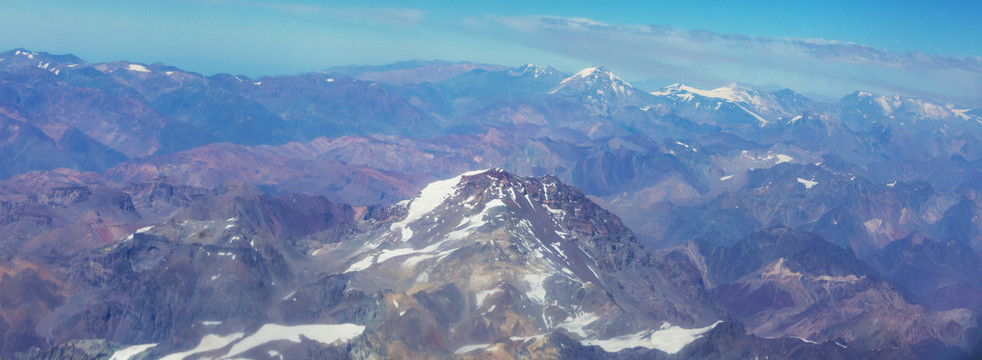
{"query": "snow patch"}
(962, 113)
(758, 117)
(143, 229)
(687, 146)
(781, 158)
(128, 352)
(527, 338)
(481, 295)
(325, 334)
(578, 322)
(873, 225)
(469, 348)
(388, 254)
(670, 339)
(537, 289)
(805, 340)
(807, 183)
(361, 264)
(137, 68)
(428, 199)
(727, 177)
(410, 262)
(208, 343)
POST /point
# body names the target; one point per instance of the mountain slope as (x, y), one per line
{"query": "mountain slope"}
(484, 263)
(524, 257)
(786, 283)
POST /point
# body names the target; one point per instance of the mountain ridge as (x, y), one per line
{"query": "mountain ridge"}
(610, 218)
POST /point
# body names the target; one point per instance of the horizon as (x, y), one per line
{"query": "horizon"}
(909, 48)
(327, 70)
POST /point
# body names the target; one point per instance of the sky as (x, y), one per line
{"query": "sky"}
(819, 48)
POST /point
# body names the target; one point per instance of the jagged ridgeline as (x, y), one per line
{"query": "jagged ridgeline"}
(485, 264)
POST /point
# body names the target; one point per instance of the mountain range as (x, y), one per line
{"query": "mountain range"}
(440, 209)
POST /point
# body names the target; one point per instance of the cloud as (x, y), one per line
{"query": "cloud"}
(828, 67)
(384, 16)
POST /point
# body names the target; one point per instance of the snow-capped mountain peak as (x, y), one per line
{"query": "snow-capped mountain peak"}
(731, 93)
(532, 249)
(896, 105)
(746, 99)
(596, 79)
(22, 58)
(535, 71)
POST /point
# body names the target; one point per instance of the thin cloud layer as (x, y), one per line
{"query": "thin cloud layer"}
(831, 68)
(388, 16)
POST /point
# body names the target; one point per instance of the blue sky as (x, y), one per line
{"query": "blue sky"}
(826, 48)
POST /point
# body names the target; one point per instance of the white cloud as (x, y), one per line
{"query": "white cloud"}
(822, 66)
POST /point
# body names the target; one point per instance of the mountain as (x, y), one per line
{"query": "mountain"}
(22, 59)
(524, 257)
(26, 147)
(932, 272)
(734, 101)
(599, 87)
(413, 71)
(737, 218)
(786, 283)
(592, 105)
(212, 165)
(479, 88)
(483, 263)
(906, 106)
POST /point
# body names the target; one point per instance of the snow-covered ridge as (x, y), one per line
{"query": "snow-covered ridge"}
(737, 95)
(30, 55)
(731, 93)
(428, 199)
(897, 104)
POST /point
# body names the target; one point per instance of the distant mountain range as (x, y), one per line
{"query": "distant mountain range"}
(450, 209)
